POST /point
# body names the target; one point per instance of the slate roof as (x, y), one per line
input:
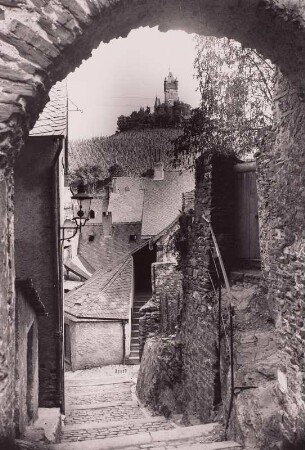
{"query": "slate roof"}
(53, 119)
(163, 200)
(106, 295)
(106, 251)
(126, 202)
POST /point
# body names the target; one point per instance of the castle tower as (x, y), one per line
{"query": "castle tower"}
(170, 90)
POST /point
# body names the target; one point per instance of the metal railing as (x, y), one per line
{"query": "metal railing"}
(229, 335)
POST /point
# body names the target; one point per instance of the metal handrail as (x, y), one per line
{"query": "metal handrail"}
(231, 315)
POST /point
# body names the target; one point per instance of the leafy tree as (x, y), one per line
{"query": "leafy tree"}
(236, 88)
(88, 175)
(164, 116)
(116, 171)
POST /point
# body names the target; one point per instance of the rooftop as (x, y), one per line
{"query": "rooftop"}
(53, 119)
(126, 201)
(106, 295)
(107, 250)
(163, 200)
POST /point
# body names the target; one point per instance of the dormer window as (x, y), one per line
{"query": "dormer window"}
(91, 237)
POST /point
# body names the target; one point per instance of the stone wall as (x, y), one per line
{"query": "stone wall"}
(25, 318)
(160, 314)
(281, 193)
(198, 328)
(7, 302)
(95, 344)
(159, 380)
(42, 41)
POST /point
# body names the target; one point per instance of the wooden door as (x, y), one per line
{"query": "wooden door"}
(246, 223)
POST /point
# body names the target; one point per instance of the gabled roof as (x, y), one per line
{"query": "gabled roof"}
(126, 202)
(53, 119)
(163, 200)
(106, 251)
(106, 295)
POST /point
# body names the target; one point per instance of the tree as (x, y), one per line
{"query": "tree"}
(164, 116)
(116, 171)
(236, 97)
(88, 175)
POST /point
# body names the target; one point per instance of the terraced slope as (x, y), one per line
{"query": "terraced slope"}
(135, 151)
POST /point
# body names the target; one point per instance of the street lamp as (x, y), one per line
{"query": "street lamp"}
(81, 210)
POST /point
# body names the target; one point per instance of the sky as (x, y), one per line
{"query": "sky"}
(128, 73)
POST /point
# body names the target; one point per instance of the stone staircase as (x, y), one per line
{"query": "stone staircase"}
(139, 300)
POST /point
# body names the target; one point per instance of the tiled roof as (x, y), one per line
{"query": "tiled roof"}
(53, 119)
(106, 251)
(106, 295)
(126, 202)
(163, 200)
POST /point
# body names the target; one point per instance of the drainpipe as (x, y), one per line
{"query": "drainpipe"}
(59, 274)
(124, 342)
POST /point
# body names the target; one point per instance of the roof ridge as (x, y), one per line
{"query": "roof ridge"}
(115, 275)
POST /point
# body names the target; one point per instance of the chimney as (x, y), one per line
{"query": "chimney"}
(158, 171)
(107, 224)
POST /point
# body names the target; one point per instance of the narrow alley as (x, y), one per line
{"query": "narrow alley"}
(103, 412)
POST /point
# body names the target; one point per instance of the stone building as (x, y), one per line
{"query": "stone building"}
(28, 308)
(98, 318)
(170, 90)
(43, 41)
(39, 175)
(198, 355)
(138, 209)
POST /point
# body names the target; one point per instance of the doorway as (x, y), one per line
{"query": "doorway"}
(246, 216)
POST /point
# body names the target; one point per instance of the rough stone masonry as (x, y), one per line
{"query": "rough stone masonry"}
(43, 40)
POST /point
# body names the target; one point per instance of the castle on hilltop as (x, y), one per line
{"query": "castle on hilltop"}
(170, 91)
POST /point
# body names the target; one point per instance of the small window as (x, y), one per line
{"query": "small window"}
(91, 237)
(132, 238)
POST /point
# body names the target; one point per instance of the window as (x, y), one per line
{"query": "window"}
(132, 238)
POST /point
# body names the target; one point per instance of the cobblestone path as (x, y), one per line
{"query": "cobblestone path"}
(103, 412)
(100, 407)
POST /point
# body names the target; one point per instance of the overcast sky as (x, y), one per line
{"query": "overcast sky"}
(126, 74)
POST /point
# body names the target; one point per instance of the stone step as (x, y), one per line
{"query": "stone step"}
(195, 437)
(137, 307)
(135, 334)
(133, 360)
(135, 316)
(135, 348)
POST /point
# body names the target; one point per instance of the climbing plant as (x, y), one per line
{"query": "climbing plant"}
(236, 88)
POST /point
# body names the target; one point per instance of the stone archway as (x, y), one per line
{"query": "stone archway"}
(43, 40)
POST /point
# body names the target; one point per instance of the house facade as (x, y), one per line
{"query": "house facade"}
(138, 209)
(39, 175)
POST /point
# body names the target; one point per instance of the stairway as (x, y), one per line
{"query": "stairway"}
(139, 300)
